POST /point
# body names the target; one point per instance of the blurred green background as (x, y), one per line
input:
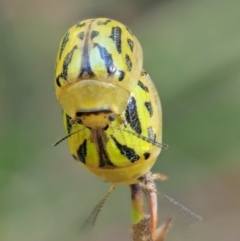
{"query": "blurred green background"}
(192, 52)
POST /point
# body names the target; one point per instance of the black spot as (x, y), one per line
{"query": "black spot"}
(104, 23)
(69, 124)
(151, 134)
(128, 62)
(144, 87)
(116, 37)
(58, 80)
(128, 152)
(132, 115)
(66, 62)
(82, 152)
(74, 157)
(81, 35)
(130, 43)
(94, 34)
(81, 24)
(146, 155)
(149, 107)
(121, 75)
(64, 42)
(106, 57)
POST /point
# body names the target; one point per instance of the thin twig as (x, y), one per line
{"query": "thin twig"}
(143, 224)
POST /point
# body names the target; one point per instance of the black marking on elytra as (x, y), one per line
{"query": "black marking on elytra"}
(151, 134)
(128, 62)
(130, 43)
(74, 157)
(121, 75)
(66, 62)
(86, 70)
(82, 152)
(128, 152)
(149, 107)
(81, 24)
(94, 34)
(64, 42)
(146, 155)
(141, 85)
(69, 125)
(58, 80)
(106, 57)
(104, 23)
(116, 36)
(81, 35)
(132, 115)
(103, 155)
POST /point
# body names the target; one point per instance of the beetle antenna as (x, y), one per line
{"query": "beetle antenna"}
(155, 143)
(65, 137)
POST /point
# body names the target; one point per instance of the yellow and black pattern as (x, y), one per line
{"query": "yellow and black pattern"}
(124, 145)
(100, 49)
(132, 115)
(111, 109)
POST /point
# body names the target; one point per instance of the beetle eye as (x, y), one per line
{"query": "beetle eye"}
(111, 117)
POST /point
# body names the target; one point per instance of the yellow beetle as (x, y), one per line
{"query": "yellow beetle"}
(111, 109)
